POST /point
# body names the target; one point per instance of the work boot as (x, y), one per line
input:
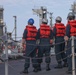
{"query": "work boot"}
(35, 70)
(69, 72)
(65, 64)
(39, 68)
(47, 67)
(24, 71)
(59, 66)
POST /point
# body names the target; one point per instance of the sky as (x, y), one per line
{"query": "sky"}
(23, 10)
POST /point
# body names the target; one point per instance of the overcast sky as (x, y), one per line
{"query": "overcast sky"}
(23, 10)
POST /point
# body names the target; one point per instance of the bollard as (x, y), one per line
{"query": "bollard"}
(73, 57)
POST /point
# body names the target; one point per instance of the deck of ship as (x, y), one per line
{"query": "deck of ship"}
(16, 66)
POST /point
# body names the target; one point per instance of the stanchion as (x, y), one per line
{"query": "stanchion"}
(6, 61)
(73, 57)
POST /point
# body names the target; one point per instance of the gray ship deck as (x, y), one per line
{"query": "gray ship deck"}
(16, 66)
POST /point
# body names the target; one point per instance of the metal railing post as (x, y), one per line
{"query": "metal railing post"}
(73, 57)
(6, 59)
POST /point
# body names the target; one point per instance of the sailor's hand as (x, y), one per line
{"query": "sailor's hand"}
(66, 38)
(51, 41)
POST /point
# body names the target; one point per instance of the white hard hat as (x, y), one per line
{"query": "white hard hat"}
(44, 20)
(58, 18)
(71, 15)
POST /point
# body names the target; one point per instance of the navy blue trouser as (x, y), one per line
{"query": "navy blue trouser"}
(59, 50)
(43, 49)
(69, 52)
(30, 52)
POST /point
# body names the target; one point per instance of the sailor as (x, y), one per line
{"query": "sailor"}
(59, 33)
(45, 36)
(29, 36)
(70, 31)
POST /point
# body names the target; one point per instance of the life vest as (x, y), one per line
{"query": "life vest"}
(32, 32)
(73, 27)
(44, 31)
(60, 29)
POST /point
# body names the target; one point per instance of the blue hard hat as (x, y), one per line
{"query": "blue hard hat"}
(31, 21)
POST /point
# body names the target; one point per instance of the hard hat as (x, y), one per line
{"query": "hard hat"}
(31, 21)
(44, 21)
(71, 15)
(58, 18)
